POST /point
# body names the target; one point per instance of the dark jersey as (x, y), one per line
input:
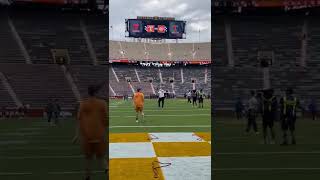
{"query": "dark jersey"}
(200, 95)
(239, 106)
(194, 95)
(49, 108)
(56, 108)
(269, 105)
(312, 107)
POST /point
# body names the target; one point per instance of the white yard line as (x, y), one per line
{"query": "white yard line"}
(39, 148)
(156, 108)
(75, 172)
(168, 115)
(174, 110)
(15, 173)
(42, 157)
(52, 173)
(116, 104)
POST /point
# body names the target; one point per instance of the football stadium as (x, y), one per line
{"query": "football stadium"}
(172, 138)
(178, 132)
(49, 52)
(258, 46)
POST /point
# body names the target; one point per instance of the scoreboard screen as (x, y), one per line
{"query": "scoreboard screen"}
(149, 28)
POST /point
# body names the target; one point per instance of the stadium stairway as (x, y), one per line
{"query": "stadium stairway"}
(71, 82)
(98, 32)
(83, 37)
(35, 84)
(9, 48)
(7, 95)
(86, 75)
(89, 44)
(145, 86)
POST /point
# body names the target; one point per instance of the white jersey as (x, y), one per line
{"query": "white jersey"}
(253, 104)
(188, 94)
(161, 93)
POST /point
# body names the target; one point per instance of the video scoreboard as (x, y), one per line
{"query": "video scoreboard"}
(158, 28)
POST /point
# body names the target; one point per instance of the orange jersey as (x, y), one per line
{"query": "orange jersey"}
(92, 116)
(138, 99)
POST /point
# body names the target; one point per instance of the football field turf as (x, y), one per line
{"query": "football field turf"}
(176, 116)
(243, 156)
(173, 143)
(30, 149)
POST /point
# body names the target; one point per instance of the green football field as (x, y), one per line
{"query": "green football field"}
(174, 126)
(30, 149)
(176, 116)
(242, 156)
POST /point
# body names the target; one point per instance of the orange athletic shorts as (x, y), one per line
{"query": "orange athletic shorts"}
(139, 109)
(94, 148)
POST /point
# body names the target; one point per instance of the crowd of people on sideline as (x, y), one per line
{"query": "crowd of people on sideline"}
(271, 109)
(197, 97)
(15, 112)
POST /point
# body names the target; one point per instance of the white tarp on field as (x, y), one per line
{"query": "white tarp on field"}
(175, 137)
(131, 150)
(187, 168)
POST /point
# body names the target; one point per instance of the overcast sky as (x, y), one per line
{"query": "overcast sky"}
(197, 13)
